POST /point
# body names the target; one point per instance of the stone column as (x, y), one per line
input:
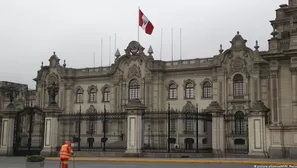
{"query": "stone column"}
(218, 128)
(294, 94)
(7, 133)
(274, 96)
(256, 123)
(51, 130)
(134, 127)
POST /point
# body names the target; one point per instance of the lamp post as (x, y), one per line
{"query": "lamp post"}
(52, 92)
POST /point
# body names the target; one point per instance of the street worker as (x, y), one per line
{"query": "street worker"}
(65, 153)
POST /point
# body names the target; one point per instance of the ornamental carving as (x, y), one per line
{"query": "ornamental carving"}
(205, 80)
(293, 70)
(134, 71)
(273, 74)
(105, 87)
(171, 83)
(134, 48)
(92, 87)
(189, 107)
(91, 109)
(238, 43)
(79, 88)
(188, 81)
(52, 78)
(237, 65)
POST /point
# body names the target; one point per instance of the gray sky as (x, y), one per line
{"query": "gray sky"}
(31, 30)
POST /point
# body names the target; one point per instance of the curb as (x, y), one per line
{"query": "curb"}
(179, 161)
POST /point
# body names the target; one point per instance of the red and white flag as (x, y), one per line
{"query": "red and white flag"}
(145, 24)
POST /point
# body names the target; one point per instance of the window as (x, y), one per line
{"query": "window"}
(105, 127)
(79, 96)
(77, 124)
(91, 123)
(238, 86)
(172, 92)
(92, 95)
(189, 91)
(173, 125)
(239, 123)
(207, 90)
(189, 127)
(106, 94)
(134, 89)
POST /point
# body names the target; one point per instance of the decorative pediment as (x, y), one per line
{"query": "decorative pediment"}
(171, 82)
(91, 109)
(92, 87)
(79, 88)
(205, 80)
(189, 81)
(134, 48)
(238, 43)
(189, 107)
(134, 71)
(54, 60)
(106, 86)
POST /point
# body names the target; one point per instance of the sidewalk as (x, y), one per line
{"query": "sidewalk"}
(247, 161)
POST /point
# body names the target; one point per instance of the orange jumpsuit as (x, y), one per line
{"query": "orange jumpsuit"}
(65, 153)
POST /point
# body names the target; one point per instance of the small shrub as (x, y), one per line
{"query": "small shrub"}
(35, 158)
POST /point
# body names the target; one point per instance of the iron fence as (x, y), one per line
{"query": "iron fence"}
(96, 131)
(236, 133)
(184, 131)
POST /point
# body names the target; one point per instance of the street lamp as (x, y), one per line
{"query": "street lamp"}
(52, 92)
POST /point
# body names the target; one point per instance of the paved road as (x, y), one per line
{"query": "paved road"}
(19, 162)
(54, 164)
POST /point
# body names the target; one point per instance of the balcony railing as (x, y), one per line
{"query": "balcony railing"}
(284, 44)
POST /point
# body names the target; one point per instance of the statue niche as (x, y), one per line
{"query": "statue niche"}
(134, 71)
(52, 88)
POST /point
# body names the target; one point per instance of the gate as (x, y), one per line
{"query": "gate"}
(173, 131)
(28, 132)
(94, 131)
(236, 133)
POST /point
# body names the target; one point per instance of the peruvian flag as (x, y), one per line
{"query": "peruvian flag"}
(145, 24)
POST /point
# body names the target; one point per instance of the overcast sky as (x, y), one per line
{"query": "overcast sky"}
(30, 30)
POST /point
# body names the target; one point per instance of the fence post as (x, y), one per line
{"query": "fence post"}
(79, 128)
(168, 128)
(104, 129)
(197, 131)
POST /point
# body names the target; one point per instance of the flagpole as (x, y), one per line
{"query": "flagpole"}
(180, 44)
(171, 44)
(101, 50)
(161, 46)
(109, 50)
(94, 59)
(115, 43)
(138, 25)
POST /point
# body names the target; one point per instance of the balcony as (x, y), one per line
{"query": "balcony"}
(284, 44)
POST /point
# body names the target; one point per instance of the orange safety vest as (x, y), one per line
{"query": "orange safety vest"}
(65, 151)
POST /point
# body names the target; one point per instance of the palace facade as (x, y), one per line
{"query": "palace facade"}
(250, 94)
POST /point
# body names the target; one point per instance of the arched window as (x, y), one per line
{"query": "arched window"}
(172, 92)
(106, 94)
(189, 90)
(134, 89)
(239, 123)
(92, 95)
(207, 90)
(238, 86)
(79, 96)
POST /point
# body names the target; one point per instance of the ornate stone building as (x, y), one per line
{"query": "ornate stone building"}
(251, 94)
